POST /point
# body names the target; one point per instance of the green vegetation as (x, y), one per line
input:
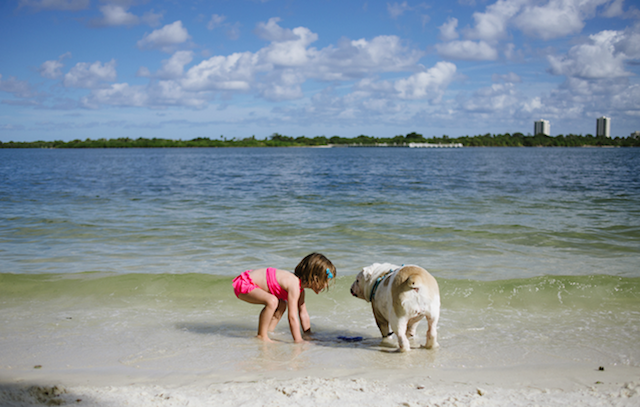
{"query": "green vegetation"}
(278, 140)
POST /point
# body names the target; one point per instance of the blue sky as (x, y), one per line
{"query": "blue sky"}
(181, 69)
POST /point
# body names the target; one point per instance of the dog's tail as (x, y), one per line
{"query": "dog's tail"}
(409, 278)
(413, 282)
(416, 279)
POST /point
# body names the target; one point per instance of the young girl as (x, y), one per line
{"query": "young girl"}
(275, 288)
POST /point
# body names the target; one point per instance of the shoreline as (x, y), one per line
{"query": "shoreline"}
(338, 146)
(517, 386)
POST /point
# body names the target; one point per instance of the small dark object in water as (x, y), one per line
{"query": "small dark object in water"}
(350, 338)
(37, 367)
(601, 368)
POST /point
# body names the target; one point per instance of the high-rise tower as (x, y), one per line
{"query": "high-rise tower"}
(542, 127)
(603, 127)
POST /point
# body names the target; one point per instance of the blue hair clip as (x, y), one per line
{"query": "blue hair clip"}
(329, 274)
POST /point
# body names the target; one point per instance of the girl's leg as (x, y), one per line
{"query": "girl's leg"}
(277, 315)
(270, 302)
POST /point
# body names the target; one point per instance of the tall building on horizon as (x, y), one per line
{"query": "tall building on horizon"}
(603, 127)
(542, 127)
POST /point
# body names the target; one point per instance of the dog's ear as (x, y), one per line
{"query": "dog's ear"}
(361, 277)
(367, 272)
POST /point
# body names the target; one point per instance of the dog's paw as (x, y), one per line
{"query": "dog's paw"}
(389, 342)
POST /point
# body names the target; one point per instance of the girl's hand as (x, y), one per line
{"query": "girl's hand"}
(307, 335)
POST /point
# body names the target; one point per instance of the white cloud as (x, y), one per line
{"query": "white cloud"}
(492, 24)
(532, 105)
(357, 58)
(271, 31)
(510, 77)
(512, 54)
(65, 5)
(290, 47)
(53, 69)
(288, 61)
(151, 18)
(172, 68)
(216, 21)
(232, 31)
(397, 9)
(627, 101)
(278, 70)
(628, 43)
(552, 20)
(614, 9)
(426, 85)
(116, 15)
(19, 89)
(11, 127)
(541, 19)
(430, 84)
(448, 29)
(119, 94)
(165, 38)
(577, 96)
(496, 98)
(597, 59)
(283, 85)
(467, 50)
(90, 76)
(157, 95)
(234, 72)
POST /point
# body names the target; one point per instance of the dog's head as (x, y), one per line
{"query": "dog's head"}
(358, 286)
(366, 279)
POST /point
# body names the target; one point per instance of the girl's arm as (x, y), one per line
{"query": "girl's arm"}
(293, 312)
(305, 321)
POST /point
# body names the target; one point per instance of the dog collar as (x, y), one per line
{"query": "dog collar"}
(377, 283)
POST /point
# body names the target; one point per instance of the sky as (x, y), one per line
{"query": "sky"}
(182, 69)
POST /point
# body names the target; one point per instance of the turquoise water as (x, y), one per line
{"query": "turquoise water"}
(122, 259)
(476, 213)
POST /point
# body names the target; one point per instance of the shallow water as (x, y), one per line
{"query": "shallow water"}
(192, 323)
(122, 260)
(476, 213)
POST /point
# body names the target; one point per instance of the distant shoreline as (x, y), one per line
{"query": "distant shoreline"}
(410, 140)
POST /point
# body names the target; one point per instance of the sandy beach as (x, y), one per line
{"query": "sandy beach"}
(519, 386)
(178, 350)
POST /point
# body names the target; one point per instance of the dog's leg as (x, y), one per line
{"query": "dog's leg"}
(383, 324)
(400, 330)
(413, 327)
(432, 333)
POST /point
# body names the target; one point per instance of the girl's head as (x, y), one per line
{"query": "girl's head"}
(315, 271)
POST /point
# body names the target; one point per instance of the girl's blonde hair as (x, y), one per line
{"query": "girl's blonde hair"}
(316, 271)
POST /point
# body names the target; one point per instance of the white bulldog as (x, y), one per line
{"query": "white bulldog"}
(400, 297)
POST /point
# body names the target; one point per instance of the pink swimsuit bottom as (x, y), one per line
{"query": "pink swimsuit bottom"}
(243, 284)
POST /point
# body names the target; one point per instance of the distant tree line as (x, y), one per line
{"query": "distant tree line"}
(278, 140)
